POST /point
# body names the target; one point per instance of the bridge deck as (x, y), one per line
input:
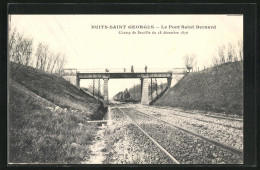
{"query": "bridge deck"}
(124, 75)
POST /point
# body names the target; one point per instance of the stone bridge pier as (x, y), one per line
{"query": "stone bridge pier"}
(77, 82)
(145, 86)
(145, 89)
(169, 82)
(105, 92)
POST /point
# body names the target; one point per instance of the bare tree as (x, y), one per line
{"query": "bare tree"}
(17, 53)
(55, 61)
(190, 61)
(234, 52)
(20, 48)
(44, 57)
(240, 50)
(49, 61)
(221, 54)
(11, 44)
(215, 61)
(38, 55)
(61, 63)
(27, 48)
(231, 55)
(41, 56)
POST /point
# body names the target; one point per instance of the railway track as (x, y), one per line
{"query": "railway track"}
(154, 141)
(209, 148)
(218, 117)
(206, 121)
(226, 147)
(223, 131)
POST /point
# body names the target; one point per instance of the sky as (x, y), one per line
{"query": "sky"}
(88, 48)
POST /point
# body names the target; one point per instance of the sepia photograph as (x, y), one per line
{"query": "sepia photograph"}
(125, 89)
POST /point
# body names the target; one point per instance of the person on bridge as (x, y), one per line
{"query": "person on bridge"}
(145, 68)
(132, 69)
(107, 70)
(124, 70)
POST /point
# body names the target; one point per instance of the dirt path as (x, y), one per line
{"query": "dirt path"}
(98, 152)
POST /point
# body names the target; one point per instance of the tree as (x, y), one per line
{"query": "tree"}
(27, 48)
(11, 44)
(221, 54)
(215, 61)
(240, 50)
(49, 62)
(61, 63)
(55, 61)
(41, 56)
(20, 48)
(38, 55)
(231, 56)
(190, 61)
(234, 52)
(44, 57)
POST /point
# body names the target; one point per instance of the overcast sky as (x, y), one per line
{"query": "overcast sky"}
(106, 48)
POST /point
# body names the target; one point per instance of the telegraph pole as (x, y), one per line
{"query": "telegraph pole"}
(156, 87)
(152, 88)
(98, 89)
(134, 91)
(93, 87)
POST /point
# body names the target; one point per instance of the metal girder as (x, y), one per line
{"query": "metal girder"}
(124, 75)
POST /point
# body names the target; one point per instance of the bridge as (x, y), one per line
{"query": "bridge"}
(78, 74)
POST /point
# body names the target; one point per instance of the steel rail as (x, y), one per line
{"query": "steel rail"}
(224, 146)
(146, 134)
(99, 121)
(207, 121)
(219, 117)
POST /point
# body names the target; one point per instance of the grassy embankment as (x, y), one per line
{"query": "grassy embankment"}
(47, 118)
(90, 90)
(217, 89)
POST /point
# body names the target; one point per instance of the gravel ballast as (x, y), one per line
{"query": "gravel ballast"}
(126, 144)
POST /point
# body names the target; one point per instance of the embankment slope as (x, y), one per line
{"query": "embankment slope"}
(47, 118)
(217, 89)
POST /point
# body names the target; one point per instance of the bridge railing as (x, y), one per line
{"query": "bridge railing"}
(122, 70)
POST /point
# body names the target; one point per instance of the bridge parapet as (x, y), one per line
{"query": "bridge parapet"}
(122, 70)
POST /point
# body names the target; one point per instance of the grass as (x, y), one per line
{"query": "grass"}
(47, 118)
(95, 92)
(218, 89)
